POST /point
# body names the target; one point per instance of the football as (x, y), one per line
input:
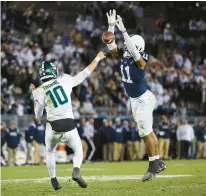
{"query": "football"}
(108, 37)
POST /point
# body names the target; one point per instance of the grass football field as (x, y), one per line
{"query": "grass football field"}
(184, 178)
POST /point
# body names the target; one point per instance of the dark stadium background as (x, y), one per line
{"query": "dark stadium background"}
(69, 34)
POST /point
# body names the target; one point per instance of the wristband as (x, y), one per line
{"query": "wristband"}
(97, 58)
(112, 46)
(124, 31)
(111, 28)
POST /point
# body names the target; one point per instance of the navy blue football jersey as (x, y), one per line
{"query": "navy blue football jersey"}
(133, 77)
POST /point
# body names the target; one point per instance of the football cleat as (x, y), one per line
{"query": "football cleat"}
(77, 178)
(152, 170)
(161, 165)
(55, 184)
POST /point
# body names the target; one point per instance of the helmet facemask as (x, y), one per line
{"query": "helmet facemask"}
(126, 53)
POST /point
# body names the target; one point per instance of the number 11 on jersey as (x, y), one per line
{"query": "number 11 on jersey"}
(128, 80)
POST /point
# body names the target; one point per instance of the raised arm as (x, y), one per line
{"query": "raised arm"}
(81, 76)
(111, 16)
(130, 45)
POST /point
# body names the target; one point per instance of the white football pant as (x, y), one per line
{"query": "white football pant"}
(142, 110)
(70, 138)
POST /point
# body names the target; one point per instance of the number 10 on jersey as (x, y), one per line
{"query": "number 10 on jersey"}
(57, 94)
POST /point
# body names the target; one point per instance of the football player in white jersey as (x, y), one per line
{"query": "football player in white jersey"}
(54, 96)
(133, 61)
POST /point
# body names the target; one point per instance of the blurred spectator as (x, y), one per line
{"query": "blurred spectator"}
(75, 107)
(76, 36)
(156, 87)
(137, 142)
(58, 48)
(138, 10)
(173, 141)
(105, 138)
(3, 141)
(111, 140)
(201, 25)
(185, 134)
(38, 141)
(182, 110)
(164, 137)
(119, 140)
(81, 129)
(178, 58)
(13, 140)
(89, 94)
(187, 65)
(89, 132)
(167, 34)
(70, 50)
(200, 133)
(29, 132)
(88, 25)
(129, 143)
(88, 107)
(79, 23)
(16, 108)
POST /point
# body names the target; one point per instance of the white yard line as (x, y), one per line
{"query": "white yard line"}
(183, 164)
(178, 164)
(92, 178)
(61, 170)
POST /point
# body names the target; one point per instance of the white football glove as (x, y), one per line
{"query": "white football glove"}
(120, 24)
(130, 45)
(111, 16)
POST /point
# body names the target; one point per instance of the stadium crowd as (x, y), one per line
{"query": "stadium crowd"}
(176, 70)
(175, 76)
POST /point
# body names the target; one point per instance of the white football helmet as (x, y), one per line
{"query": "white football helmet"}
(139, 43)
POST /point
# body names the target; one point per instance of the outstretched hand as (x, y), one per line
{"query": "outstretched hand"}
(111, 16)
(101, 55)
(120, 24)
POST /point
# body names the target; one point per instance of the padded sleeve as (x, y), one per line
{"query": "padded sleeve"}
(39, 99)
(80, 77)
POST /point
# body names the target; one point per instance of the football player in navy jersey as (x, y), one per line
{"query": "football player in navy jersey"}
(133, 61)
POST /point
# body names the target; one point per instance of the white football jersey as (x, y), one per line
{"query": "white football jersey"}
(55, 96)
